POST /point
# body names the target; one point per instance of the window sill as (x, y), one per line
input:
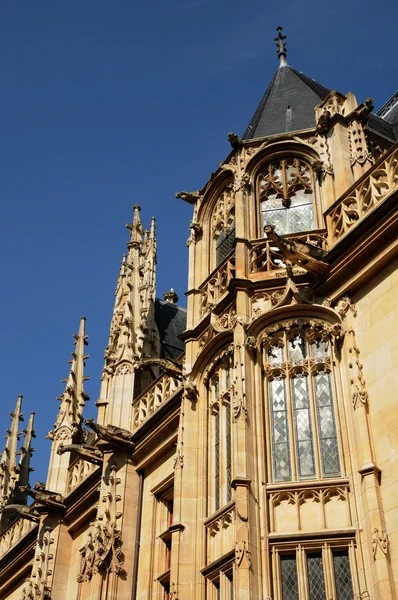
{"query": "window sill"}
(308, 483)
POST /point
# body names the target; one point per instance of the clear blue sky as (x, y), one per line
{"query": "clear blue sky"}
(106, 104)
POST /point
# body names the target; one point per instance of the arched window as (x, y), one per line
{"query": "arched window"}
(304, 441)
(220, 455)
(284, 188)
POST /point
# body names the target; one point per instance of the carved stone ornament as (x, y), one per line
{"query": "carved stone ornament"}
(344, 305)
(242, 554)
(325, 163)
(179, 457)
(86, 451)
(358, 385)
(102, 550)
(114, 436)
(28, 590)
(359, 152)
(299, 252)
(379, 541)
(44, 499)
(170, 367)
(224, 322)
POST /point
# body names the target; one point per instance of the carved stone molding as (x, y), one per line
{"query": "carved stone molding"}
(224, 322)
(380, 542)
(42, 571)
(239, 409)
(179, 457)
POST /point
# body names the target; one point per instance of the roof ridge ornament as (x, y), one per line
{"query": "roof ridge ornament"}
(281, 47)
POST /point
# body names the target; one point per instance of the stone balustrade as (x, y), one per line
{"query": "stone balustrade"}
(216, 285)
(161, 390)
(375, 186)
(14, 534)
(78, 471)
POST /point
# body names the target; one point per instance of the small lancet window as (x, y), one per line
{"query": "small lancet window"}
(284, 188)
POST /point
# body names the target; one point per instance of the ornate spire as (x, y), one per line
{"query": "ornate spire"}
(8, 463)
(135, 227)
(280, 41)
(74, 397)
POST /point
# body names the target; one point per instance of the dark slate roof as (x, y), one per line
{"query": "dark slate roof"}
(171, 321)
(383, 126)
(287, 105)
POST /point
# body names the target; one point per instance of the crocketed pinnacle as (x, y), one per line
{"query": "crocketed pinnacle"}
(74, 397)
(8, 463)
(26, 451)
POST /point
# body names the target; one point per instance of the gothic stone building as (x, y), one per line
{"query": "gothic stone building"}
(244, 448)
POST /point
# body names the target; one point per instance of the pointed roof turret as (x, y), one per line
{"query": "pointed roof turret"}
(8, 463)
(74, 397)
(289, 101)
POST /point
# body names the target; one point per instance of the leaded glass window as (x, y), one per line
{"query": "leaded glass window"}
(303, 428)
(289, 577)
(342, 575)
(324, 578)
(284, 188)
(225, 243)
(316, 579)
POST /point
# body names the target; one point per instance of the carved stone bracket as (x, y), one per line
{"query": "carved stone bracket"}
(379, 541)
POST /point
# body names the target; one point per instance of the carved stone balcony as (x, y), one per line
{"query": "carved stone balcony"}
(266, 258)
(78, 470)
(14, 534)
(372, 189)
(216, 285)
(157, 394)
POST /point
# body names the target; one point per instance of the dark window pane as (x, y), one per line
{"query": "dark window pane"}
(316, 582)
(342, 576)
(289, 578)
(280, 431)
(225, 244)
(326, 425)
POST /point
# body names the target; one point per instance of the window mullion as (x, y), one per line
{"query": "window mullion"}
(327, 559)
(302, 575)
(292, 433)
(276, 574)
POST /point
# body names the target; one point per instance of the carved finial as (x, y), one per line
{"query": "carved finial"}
(171, 296)
(152, 229)
(74, 397)
(280, 41)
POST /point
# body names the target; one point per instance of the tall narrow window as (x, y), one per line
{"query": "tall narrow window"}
(289, 577)
(220, 433)
(302, 417)
(316, 580)
(342, 575)
(284, 188)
